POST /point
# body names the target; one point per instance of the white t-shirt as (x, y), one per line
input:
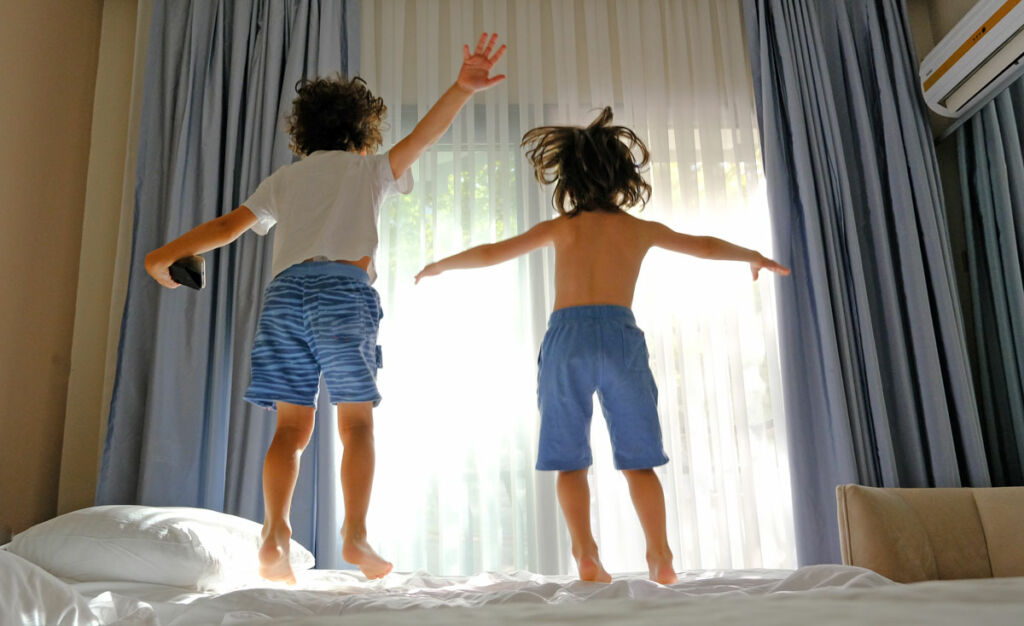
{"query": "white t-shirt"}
(325, 205)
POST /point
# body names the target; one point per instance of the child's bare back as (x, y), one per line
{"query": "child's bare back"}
(597, 257)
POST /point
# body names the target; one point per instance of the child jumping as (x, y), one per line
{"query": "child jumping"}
(592, 342)
(320, 314)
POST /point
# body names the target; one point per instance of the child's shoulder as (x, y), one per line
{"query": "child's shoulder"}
(321, 156)
(555, 224)
(619, 220)
(641, 223)
(625, 225)
(334, 161)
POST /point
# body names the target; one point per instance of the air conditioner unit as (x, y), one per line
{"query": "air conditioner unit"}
(982, 54)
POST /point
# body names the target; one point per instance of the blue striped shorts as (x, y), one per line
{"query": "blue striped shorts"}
(317, 317)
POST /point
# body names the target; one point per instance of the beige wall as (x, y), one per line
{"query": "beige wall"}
(48, 55)
(945, 14)
(930, 20)
(106, 244)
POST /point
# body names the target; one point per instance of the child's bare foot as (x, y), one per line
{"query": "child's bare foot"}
(274, 562)
(590, 567)
(356, 551)
(660, 566)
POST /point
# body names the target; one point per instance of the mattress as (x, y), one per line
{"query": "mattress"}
(824, 594)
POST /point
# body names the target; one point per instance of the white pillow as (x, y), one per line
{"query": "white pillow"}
(180, 546)
(33, 597)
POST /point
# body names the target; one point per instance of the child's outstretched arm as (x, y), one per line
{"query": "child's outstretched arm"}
(207, 236)
(492, 253)
(712, 248)
(473, 77)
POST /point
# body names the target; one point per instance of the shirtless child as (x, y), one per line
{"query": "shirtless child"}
(592, 342)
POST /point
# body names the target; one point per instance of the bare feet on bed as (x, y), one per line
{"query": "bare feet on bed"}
(590, 567)
(274, 562)
(358, 552)
(660, 566)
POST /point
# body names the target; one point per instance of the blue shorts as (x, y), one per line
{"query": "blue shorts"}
(596, 348)
(317, 317)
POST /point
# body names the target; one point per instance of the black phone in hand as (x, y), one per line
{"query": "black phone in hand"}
(189, 271)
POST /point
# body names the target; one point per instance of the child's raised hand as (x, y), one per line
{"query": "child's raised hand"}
(476, 67)
(764, 263)
(430, 270)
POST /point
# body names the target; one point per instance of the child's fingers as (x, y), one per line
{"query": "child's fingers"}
(490, 45)
(480, 44)
(465, 52)
(164, 279)
(495, 80)
(497, 55)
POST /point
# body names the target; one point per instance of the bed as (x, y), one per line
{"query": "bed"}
(168, 567)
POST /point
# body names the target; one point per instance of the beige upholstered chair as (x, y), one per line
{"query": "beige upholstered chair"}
(910, 535)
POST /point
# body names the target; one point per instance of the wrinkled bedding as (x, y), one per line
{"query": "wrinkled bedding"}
(824, 594)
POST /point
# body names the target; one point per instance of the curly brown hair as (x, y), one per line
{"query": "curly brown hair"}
(335, 113)
(593, 168)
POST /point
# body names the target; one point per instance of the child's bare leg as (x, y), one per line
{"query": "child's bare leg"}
(280, 471)
(574, 496)
(649, 502)
(355, 425)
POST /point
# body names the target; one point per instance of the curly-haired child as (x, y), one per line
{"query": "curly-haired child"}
(592, 342)
(320, 314)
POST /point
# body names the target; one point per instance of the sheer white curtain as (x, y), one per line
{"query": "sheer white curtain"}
(456, 492)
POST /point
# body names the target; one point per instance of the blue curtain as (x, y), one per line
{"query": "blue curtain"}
(220, 76)
(989, 149)
(878, 389)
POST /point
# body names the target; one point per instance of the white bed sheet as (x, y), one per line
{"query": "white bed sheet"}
(340, 592)
(989, 602)
(826, 594)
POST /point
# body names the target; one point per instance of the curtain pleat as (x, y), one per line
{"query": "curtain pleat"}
(990, 149)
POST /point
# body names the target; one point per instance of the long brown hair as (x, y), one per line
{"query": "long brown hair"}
(593, 168)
